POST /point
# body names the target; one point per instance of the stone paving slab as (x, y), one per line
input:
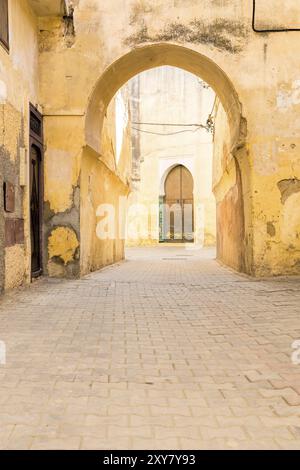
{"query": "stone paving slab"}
(166, 350)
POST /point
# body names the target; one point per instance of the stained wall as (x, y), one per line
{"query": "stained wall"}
(18, 88)
(85, 58)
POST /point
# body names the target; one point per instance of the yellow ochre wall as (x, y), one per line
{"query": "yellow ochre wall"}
(170, 95)
(105, 180)
(84, 56)
(255, 76)
(18, 87)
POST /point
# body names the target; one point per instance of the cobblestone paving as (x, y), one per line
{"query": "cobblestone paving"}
(167, 350)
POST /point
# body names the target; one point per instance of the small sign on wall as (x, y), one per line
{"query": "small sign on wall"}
(9, 197)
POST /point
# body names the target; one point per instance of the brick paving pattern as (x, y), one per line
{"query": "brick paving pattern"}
(167, 350)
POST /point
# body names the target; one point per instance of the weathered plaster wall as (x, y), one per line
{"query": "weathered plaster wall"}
(63, 144)
(105, 184)
(81, 70)
(171, 95)
(227, 187)
(18, 87)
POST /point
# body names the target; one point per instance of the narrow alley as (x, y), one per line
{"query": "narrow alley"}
(166, 350)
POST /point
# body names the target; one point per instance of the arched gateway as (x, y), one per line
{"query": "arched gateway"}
(154, 55)
(232, 227)
(256, 163)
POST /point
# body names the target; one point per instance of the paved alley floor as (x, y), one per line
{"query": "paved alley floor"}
(167, 350)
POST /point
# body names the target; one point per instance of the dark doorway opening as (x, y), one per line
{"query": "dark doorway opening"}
(36, 191)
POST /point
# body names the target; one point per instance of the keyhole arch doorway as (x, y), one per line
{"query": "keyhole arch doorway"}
(177, 206)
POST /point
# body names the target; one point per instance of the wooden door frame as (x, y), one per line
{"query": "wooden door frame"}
(165, 201)
(37, 139)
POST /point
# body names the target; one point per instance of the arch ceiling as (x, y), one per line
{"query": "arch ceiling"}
(156, 55)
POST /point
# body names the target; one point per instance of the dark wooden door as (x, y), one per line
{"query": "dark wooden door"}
(179, 203)
(36, 190)
(35, 209)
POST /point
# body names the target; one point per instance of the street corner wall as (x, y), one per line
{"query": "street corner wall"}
(103, 198)
(15, 259)
(104, 188)
(63, 147)
(228, 190)
(18, 87)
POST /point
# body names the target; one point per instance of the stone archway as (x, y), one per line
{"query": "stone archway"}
(177, 199)
(229, 211)
(155, 55)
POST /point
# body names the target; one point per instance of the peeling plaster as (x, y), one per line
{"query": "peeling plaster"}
(290, 232)
(59, 182)
(100, 31)
(63, 244)
(271, 230)
(139, 10)
(288, 187)
(69, 28)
